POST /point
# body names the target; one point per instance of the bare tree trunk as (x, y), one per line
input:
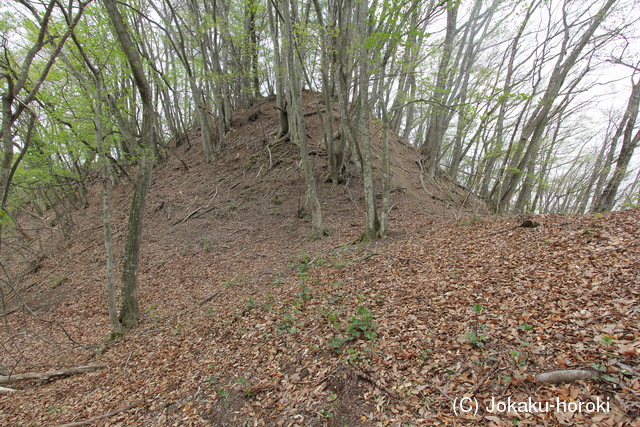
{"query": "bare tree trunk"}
(437, 122)
(251, 8)
(372, 224)
(106, 202)
(281, 102)
(386, 174)
(129, 289)
(333, 174)
(344, 65)
(297, 125)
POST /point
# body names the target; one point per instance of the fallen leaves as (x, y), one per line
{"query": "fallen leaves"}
(237, 330)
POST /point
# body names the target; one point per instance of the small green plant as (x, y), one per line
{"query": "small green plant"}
(54, 410)
(469, 221)
(525, 327)
(473, 336)
(336, 344)
(335, 296)
(362, 325)
(237, 313)
(608, 340)
(268, 304)
(58, 280)
(327, 414)
(206, 246)
(233, 281)
(251, 303)
(286, 325)
(339, 263)
(154, 314)
(177, 329)
(475, 339)
(305, 294)
(603, 373)
(425, 355)
(332, 318)
(302, 264)
(354, 355)
(279, 278)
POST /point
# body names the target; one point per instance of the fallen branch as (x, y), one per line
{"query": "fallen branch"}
(444, 393)
(4, 390)
(484, 380)
(49, 375)
(186, 218)
(99, 417)
(628, 368)
(206, 300)
(567, 376)
(187, 215)
(392, 393)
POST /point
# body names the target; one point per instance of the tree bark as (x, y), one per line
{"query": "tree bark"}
(281, 102)
(437, 121)
(372, 223)
(296, 119)
(129, 287)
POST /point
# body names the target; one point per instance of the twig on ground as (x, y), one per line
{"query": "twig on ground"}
(100, 417)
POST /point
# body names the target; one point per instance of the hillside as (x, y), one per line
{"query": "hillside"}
(246, 323)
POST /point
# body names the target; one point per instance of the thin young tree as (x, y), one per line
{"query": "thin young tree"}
(294, 113)
(130, 311)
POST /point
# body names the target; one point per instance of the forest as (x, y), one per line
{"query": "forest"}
(489, 109)
(531, 106)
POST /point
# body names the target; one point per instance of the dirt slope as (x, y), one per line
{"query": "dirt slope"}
(247, 323)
